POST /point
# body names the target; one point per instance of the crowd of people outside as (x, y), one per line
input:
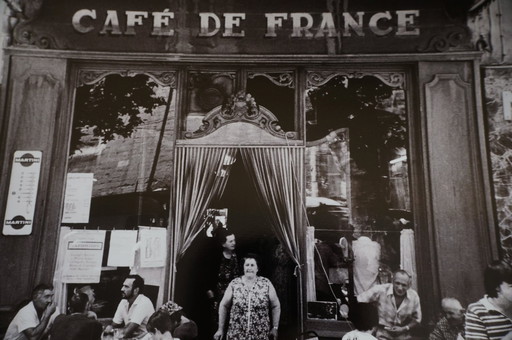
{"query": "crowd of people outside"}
(245, 306)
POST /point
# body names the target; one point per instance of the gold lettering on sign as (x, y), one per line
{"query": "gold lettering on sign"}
(231, 25)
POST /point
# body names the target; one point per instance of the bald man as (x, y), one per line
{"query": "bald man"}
(452, 323)
(398, 306)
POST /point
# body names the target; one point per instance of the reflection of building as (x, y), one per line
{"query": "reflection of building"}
(401, 74)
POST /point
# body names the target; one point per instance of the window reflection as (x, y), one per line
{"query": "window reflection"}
(123, 136)
(357, 181)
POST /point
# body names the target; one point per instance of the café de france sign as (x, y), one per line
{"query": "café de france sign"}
(231, 25)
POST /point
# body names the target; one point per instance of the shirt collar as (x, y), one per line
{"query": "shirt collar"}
(487, 304)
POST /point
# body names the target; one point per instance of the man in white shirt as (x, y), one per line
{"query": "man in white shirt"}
(134, 310)
(398, 307)
(33, 320)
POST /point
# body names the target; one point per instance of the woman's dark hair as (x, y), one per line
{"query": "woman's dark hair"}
(364, 316)
(495, 274)
(163, 321)
(160, 320)
(221, 234)
(78, 302)
(253, 256)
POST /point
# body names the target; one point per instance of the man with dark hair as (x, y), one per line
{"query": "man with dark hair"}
(398, 306)
(491, 316)
(134, 310)
(33, 320)
(76, 325)
(365, 318)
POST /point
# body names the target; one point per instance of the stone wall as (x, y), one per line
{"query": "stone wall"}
(497, 80)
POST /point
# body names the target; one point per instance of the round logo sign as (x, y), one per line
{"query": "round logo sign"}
(27, 159)
(18, 222)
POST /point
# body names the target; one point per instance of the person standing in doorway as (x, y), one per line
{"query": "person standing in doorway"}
(251, 304)
(223, 268)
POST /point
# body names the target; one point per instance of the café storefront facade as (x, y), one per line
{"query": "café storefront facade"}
(312, 124)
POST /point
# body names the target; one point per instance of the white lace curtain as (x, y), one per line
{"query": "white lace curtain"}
(201, 174)
(277, 174)
(201, 177)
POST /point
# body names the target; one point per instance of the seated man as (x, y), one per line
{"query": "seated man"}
(134, 310)
(398, 306)
(33, 320)
(451, 324)
(77, 325)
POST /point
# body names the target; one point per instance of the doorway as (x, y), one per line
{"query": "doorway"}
(254, 234)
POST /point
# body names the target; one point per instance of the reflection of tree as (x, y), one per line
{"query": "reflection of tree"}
(112, 107)
(357, 103)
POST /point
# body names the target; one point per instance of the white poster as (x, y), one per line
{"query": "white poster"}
(152, 246)
(77, 201)
(122, 248)
(84, 253)
(21, 200)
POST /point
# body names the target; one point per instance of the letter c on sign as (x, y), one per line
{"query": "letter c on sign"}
(77, 17)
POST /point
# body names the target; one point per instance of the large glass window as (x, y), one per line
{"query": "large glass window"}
(119, 178)
(357, 185)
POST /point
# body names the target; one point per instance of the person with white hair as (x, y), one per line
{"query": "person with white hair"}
(451, 325)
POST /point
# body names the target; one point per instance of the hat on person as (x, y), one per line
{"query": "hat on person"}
(171, 307)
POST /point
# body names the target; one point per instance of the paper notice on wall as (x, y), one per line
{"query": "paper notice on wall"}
(122, 248)
(152, 246)
(84, 254)
(77, 201)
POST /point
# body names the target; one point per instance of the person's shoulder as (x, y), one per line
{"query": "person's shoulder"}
(236, 280)
(412, 293)
(442, 322)
(478, 306)
(145, 300)
(358, 335)
(61, 318)
(29, 307)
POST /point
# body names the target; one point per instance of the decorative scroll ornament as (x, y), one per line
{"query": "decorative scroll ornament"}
(240, 107)
(90, 77)
(446, 41)
(280, 79)
(21, 17)
(319, 78)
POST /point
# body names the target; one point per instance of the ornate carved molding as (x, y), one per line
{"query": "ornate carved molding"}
(24, 35)
(206, 79)
(90, 77)
(445, 41)
(319, 78)
(280, 79)
(240, 108)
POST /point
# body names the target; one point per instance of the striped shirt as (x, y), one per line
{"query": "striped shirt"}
(484, 321)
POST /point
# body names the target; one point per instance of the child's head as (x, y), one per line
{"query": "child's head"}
(364, 316)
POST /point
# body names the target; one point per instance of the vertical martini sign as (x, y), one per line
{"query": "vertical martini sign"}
(21, 200)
